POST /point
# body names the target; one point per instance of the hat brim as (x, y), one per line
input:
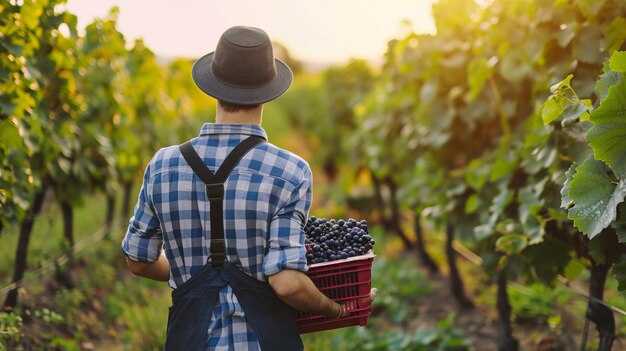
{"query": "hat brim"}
(213, 86)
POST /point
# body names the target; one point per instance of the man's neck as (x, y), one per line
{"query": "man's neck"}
(239, 117)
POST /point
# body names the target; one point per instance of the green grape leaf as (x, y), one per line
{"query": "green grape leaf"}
(595, 197)
(604, 248)
(555, 214)
(574, 111)
(502, 262)
(564, 104)
(565, 35)
(504, 165)
(484, 231)
(551, 110)
(472, 204)
(573, 269)
(14, 49)
(566, 200)
(565, 83)
(478, 71)
(606, 80)
(619, 270)
(607, 137)
(477, 174)
(546, 155)
(548, 259)
(617, 62)
(514, 67)
(529, 203)
(500, 202)
(10, 137)
(535, 229)
(425, 336)
(615, 34)
(586, 46)
(30, 13)
(511, 243)
(590, 8)
(620, 224)
(620, 231)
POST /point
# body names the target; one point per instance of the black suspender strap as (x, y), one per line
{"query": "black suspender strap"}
(215, 190)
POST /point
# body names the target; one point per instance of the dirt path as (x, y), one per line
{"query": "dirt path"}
(476, 323)
(479, 325)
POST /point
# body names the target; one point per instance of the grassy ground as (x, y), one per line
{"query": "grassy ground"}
(46, 241)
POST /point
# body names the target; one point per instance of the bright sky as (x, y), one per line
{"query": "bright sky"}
(324, 31)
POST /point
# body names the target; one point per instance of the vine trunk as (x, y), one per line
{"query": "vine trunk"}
(456, 283)
(422, 254)
(506, 341)
(21, 254)
(598, 313)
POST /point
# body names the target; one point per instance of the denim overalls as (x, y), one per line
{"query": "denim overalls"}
(273, 320)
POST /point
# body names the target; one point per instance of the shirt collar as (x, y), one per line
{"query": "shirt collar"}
(223, 128)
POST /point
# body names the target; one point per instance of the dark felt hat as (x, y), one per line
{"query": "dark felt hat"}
(242, 69)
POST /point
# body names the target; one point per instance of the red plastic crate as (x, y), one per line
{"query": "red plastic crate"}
(344, 281)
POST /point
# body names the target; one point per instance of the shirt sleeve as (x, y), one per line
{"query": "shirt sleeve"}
(143, 240)
(286, 249)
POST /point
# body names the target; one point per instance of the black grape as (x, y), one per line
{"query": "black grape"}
(329, 239)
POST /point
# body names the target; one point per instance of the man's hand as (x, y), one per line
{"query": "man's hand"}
(368, 300)
(352, 306)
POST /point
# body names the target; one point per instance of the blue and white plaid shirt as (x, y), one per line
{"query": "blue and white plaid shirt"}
(266, 203)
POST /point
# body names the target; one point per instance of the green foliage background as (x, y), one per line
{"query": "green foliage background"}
(508, 124)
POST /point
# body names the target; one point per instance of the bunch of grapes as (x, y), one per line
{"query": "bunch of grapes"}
(331, 240)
